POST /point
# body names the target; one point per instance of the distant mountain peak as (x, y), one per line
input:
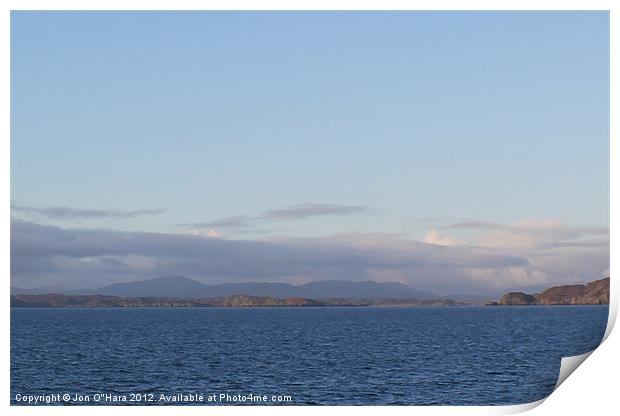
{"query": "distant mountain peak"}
(184, 287)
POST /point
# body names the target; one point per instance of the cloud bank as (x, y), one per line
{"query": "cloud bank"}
(81, 258)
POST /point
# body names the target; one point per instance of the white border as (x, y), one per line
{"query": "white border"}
(592, 389)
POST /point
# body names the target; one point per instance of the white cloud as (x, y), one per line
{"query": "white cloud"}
(513, 277)
(434, 237)
(530, 233)
(205, 233)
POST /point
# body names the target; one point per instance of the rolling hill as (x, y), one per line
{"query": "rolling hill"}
(183, 287)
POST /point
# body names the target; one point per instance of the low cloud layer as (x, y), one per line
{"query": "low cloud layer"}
(66, 213)
(530, 233)
(82, 258)
(295, 212)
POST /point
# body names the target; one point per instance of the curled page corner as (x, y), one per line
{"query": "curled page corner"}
(611, 319)
(568, 365)
(520, 408)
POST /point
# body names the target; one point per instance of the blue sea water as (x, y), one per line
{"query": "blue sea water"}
(340, 355)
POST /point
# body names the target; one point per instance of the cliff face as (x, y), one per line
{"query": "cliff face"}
(517, 299)
(594, 293)
(597, 292)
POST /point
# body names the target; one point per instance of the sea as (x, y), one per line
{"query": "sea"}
(295, 356)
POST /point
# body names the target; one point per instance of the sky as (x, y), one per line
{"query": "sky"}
(458, 152)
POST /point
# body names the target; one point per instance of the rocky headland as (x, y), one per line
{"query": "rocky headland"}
(593, 293)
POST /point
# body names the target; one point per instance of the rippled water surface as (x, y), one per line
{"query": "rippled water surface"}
(423, 356)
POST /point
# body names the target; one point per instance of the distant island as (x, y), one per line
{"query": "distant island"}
(593, 293)
(97, 301)
(179, 291)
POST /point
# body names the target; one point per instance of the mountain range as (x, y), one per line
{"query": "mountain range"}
(183, 287)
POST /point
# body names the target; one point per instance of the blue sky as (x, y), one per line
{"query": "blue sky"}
(342, 123)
